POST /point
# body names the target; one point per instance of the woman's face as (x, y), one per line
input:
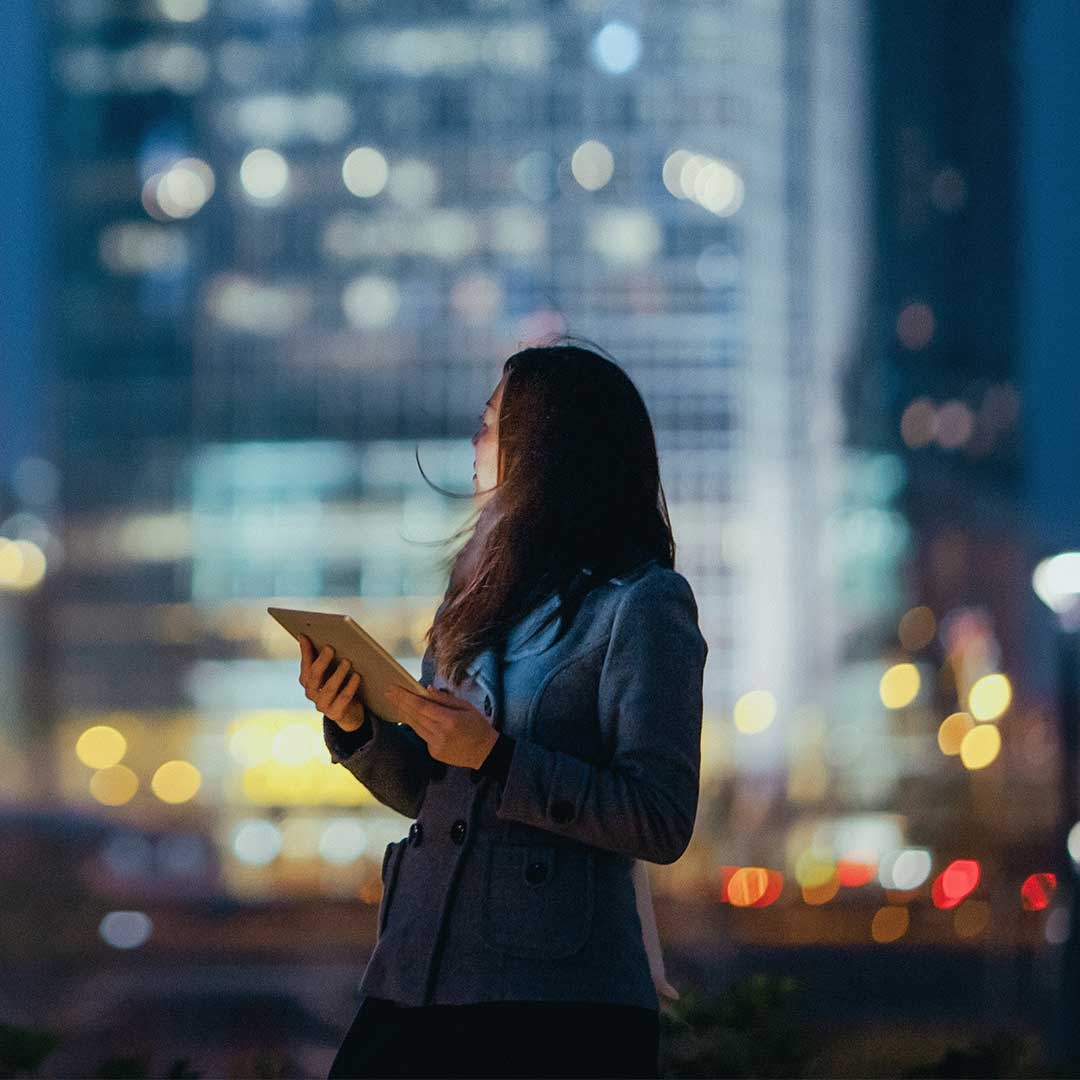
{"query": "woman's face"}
(486, 443)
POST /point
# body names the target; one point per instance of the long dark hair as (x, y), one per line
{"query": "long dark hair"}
(578, 487)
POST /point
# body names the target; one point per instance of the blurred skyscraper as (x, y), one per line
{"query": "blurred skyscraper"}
(299, 237)
(947, 342)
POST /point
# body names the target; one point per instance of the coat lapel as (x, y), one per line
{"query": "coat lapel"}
(484, 668)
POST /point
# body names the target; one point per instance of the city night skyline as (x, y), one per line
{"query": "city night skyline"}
(263, 258)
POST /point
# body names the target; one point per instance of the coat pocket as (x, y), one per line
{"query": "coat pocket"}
(389, 873)
(538, 899)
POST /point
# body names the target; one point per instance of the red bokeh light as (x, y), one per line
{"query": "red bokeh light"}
(755, 887)
(1037, 890)
(772, 890)
(956, 881)
(849, 872)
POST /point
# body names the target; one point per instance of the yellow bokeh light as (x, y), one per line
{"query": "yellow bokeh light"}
(989, 697)
(899, 686)
(951, 733)
(100, 746)
(283, 761)
(754, 711)
(981, 746)
(176, 781)
(114, 786)
(917, 628)
(812, 870)
(890, 923)
(22, 564)
(273, 783)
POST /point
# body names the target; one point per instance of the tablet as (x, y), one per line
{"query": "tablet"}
(378, 669)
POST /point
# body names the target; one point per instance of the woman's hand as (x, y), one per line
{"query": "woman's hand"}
(455, 731)
(338, 697)
(647, 916)
(663, 987)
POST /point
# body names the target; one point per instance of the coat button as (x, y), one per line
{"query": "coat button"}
(535, 873)
(487, 704)
(416, 832)
(457, 831)
(562, 811)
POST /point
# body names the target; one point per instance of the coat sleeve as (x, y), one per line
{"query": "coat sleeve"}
(389, 759)
(643, 802)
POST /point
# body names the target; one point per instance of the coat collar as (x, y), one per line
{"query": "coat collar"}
(486, 666)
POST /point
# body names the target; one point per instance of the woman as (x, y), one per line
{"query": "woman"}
(565, 750)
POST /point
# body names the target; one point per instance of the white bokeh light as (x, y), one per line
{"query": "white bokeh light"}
(264, 174)
(343, 840)
(365, 172)
(592, 165)
(1074, 843)
(616, 48)
(183, 10)
(907, 868)
(370, 302)
(256, 842)
(125, 929)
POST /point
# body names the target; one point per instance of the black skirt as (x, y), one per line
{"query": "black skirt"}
(500, 1039)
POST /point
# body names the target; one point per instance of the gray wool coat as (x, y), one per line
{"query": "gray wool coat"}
(522, 891)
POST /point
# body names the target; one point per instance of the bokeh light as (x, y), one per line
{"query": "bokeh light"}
(918, 423)
(754, 711)
(365, 172)
(890, 923)
(754, 886)
(176, 782)
(917, 628)
(256, 841)
(980, 746)
(711, 183)
(264, 174)
(957, 881)
(100, 746)
(1073, 842)
(899, 686)
(616, 47)
(952, 731)
(592, 165)
(852, 873)
(114, 786)
(971, 918)
(915, 326)
(1037, 891)
(905, 869)
(125, 929)
(989, 697)
(22, 564)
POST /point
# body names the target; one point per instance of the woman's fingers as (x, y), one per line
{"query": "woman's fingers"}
(337, 708)
(307, 654)
(312, 667)
(332, 685)
(410, 709)
(320, 664)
